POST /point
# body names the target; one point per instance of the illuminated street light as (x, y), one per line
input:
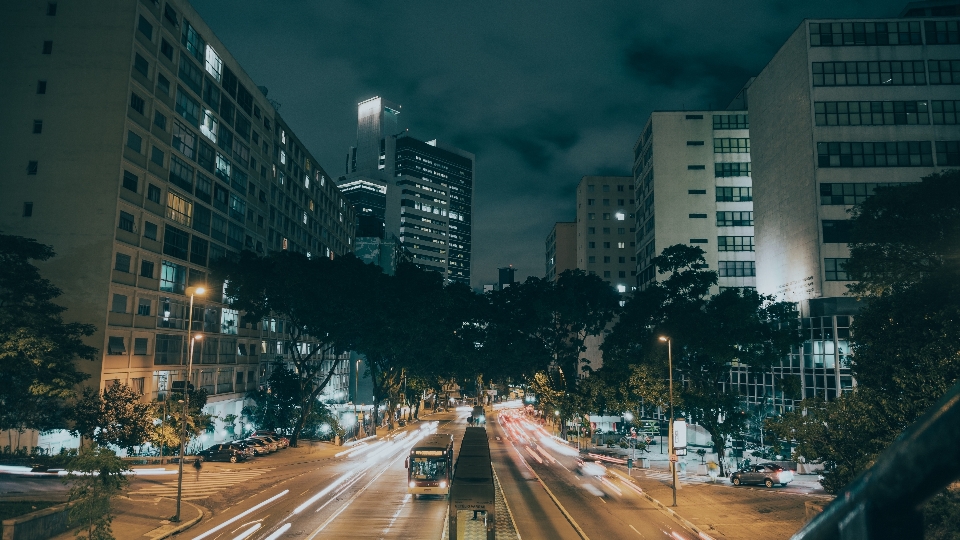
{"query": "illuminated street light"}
(670, 448)
(191, 292)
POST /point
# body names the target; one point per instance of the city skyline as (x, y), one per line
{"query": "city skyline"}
(542, 99)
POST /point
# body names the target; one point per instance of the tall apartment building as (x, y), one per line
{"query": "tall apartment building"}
(419, 192)
(561, 249)
(843, 107)
(140, 150)
(605, 229)
(693, 186)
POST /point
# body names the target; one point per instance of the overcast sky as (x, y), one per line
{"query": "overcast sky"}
(542, 92)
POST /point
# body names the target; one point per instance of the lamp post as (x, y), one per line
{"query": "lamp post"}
(191, 292)
(670, 448)
(356, 395)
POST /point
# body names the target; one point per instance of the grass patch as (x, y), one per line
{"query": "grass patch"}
(12, 509)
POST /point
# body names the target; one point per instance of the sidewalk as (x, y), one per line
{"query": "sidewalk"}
(139, 518)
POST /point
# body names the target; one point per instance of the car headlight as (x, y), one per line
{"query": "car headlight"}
(443, 483)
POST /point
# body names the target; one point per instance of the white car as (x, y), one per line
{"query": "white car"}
(591, 468)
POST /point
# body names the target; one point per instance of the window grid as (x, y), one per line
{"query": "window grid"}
(850, 193)
(948, 153)
(734, 243)
(734, 194)
(875, 154)
(734, 219)
(911, 72)
(731, 170)
(945, 112)
(731, 146)
(942, 32)
(731, 121)
(835, 270)
(737, 269)
(840, 34)
(944, 71)
(871, 113)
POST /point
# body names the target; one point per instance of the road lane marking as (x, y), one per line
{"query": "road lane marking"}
(248, 532)
(634, 530)
(601, 498)
(241, 516)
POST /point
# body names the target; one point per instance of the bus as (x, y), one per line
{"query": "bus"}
(430, 466)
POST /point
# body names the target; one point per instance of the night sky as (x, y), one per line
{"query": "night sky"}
(542, 92)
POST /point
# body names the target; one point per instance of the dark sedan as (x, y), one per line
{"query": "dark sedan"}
(222, 452)
(767, 474)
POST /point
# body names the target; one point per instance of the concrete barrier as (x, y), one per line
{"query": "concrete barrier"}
(39, 525)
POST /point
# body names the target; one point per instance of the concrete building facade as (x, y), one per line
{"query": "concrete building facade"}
(605, 227)
(692, 179)
(843, 107)
(561, 249)
(141, 151)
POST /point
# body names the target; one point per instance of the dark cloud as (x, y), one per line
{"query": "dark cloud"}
(543, 94)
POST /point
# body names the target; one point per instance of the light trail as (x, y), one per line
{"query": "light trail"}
(242, 515)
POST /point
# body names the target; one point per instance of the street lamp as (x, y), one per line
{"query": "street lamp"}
(356, 394)
(670, 448)
(191, 292)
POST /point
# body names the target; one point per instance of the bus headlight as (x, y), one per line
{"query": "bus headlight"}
(413, 484)
(443, 483)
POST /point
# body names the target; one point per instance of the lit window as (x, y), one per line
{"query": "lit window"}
(210, 125)
(621, 288)
(620, 245)
(283, 157)
(620, 216)
(213, 62)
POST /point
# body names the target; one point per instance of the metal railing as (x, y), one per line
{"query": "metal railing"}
(883, 502)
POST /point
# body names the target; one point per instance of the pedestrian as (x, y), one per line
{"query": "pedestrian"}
(197, 465)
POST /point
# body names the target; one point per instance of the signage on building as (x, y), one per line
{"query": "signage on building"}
(680, 437)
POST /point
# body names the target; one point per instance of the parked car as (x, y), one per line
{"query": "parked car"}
(591, 468)
(272, 444)
(244, 447)
(222, 452)
(274, 440)
(767, 474)
(260, 448)
(281, 439)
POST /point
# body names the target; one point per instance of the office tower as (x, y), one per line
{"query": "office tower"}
(605, 227)
(843, 107)
(561, 249)
(140, 150)
(692, 172)
(506, 276)
(418, 192)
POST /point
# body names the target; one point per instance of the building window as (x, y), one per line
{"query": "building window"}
(166, 48)
(591, 259)
(51, 9)
(864, 33)
(198, 250)
(146, 269)
(734, 194)
(184, 140)
(837, 231)
(38, 126)
(737, 269)
(589, 216)
(156, 156)
(606, 260)
(835, 270)
(731, 170)
(944, 71)
(945, 112)
(122, 263)
(694, 117)
(28, 209)
(606, 217)
(179, 209)
(606, 245)
(621, 260)
(126, 221)
(181, 174)
(32, 167)
(734, 243)
(875, 154)
(213, 63)
(590, 202)
(150, 231)
(134, 142)
(731, 146)
(622, 273)
(696, 167)
(870, 113)
(869, 73)
(606, 273)
(187, 107)
(173, 277)
(948, 153)
(119, 303)
(850, 194)
(130, 181)
(694, 143)
(145, 28)
(942, 32)
(697, 216)
(115, 346)
(159, 120)
(47, 47)
(734, 219)
(698, 241)
(696, 192)
(621, 230)
(175, 242)
(163, 84)
(591, 244)
(591, 230)
(139, 349)
(730, 121)
(41, 87)
(153, 193)
(140, 64)
(192, 41)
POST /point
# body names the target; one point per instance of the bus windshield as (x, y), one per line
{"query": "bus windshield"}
(422, 468)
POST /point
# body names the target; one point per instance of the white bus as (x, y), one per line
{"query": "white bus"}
(430, 466)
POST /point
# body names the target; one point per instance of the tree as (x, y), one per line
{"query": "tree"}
(325, 303)
(168, 432)
(278, 402)
(96, 475)
(115, 416)
(707, 333)
(38, 350)
(904, 255)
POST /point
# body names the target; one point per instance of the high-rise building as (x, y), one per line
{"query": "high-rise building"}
(561, 249)
(420, 192)
(692, 174)
(507, 276)
(140, 150)
(843, 107)
(605, 229)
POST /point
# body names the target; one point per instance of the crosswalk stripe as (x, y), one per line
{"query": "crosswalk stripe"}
(208, 484)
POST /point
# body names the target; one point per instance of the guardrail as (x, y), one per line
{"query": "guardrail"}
(883, 501)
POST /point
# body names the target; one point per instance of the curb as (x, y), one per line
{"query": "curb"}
(179, 528)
